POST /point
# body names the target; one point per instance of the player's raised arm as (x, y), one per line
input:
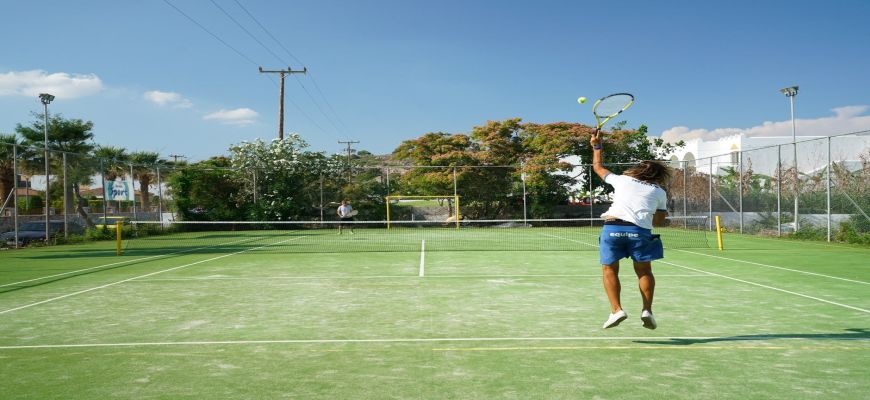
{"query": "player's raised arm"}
(598, 155)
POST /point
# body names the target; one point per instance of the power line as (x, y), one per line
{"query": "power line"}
(210, 33)
(240, 54)
(252, 36)
(269, 33)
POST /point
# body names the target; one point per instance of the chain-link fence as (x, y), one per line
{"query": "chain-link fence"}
(817, 188)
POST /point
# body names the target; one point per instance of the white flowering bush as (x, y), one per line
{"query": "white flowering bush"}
(284, 177)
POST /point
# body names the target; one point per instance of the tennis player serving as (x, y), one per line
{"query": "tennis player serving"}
(639, 203)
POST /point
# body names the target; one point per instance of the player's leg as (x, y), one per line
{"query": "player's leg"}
(612, 249)
(612, 286)
(647, 284)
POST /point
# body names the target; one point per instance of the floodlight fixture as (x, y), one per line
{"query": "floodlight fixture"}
(790, 91)
(46, 98)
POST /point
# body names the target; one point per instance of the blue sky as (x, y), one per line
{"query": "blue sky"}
(150, 79)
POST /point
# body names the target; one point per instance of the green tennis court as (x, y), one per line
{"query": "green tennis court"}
(236, 317)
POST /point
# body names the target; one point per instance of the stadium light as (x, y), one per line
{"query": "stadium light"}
(791, 92)
(46, 98)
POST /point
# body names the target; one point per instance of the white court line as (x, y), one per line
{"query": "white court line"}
(120, 262)
(767, 287)
(141, 276)
(274, 278)
(422, 257)
(830, 246)
(774, 266)
(421, 340)
(758, 284)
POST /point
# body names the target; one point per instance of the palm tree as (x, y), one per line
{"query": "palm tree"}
(114, 161)
(143, 169)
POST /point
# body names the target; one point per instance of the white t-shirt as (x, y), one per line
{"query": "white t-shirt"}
(344, 211)
(635, 201)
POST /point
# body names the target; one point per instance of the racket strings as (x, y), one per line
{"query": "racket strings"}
(612, 105)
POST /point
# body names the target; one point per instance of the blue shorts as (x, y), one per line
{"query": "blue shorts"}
(618, 242)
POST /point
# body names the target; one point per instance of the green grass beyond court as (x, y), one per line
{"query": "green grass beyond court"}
(766, 318)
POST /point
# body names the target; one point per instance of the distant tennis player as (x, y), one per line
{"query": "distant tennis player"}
(639, 203)
(345, 213)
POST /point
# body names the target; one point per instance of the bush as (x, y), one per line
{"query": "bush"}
(855, 231)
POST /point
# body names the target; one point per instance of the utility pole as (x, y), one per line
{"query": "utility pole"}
(349, 150)
(175, 157)
(282, 72)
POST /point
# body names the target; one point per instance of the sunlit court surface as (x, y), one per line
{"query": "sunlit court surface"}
(243, 315)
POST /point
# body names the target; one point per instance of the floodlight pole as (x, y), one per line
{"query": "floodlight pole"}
(45, 99)
(791, 92)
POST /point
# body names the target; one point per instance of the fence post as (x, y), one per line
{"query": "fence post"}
(65, 200)
(740, 187)
(388, 180)
(159, 197)
(321, 198)
(133, 188)
(15, 188)
(779, 191)
(523, 178)
(454, 182)
(829, 188)
(105, 200)
(255, 186)
(710, 197)
(685, 192)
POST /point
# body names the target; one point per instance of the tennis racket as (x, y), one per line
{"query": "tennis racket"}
(352, 213)
(610, 106)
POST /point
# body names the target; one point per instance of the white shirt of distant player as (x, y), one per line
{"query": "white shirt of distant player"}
(635, 201)
(344, 211)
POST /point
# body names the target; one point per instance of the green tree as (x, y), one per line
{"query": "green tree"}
(209, 190)
(7, 174)
(66, 135)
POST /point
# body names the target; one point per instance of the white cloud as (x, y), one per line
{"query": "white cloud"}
(167, 99)
(240, 116)
(845, 119)
(60, 84)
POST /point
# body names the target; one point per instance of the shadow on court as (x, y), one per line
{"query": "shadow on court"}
(850, 334)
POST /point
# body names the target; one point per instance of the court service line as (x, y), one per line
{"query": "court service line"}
(293, 278)
(402, 340)
(422, 258)
(767, 287)
(140, 276)
(118, 263)
(830, 246)
(774, 266)
(759, 285)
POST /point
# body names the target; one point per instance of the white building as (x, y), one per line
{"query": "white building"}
(763, 153)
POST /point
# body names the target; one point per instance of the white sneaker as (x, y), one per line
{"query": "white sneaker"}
(615, 319)
(649, 322)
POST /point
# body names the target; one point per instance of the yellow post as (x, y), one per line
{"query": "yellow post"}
(719, 234)
(388, 212)
(118, 238)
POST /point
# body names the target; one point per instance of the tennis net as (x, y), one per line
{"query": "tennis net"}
(574, 234)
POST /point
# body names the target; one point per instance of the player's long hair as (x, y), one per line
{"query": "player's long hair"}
(654, 172)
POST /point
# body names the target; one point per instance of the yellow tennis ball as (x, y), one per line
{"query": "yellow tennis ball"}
(581, 100)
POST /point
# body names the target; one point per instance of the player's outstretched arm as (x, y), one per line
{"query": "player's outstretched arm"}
(598, 155)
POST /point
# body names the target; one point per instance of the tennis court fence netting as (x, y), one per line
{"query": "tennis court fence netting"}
(577, 234)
